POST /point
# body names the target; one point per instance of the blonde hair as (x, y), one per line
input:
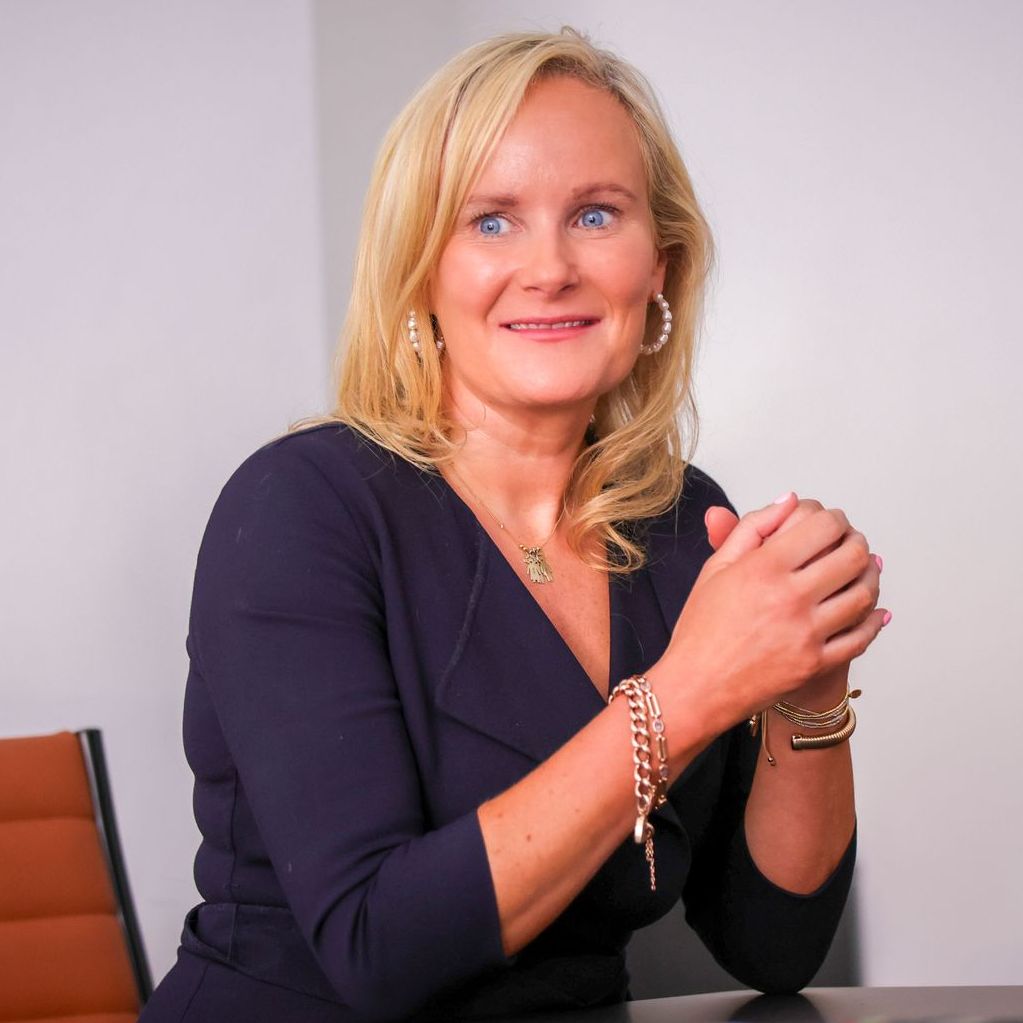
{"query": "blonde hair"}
(429, 160)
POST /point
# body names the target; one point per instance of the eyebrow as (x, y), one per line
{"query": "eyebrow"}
(510, 201)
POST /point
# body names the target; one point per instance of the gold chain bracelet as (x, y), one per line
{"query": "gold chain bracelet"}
(648, 742)
(816, 719)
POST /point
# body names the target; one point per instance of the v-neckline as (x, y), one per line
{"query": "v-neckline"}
(493, 551)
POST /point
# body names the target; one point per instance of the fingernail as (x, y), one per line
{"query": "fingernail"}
(784, 497)
(887, 618)
(879, 560)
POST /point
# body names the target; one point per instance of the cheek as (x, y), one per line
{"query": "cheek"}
(627, 272)
(467, 278)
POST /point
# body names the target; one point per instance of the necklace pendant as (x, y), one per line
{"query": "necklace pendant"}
(536, 565)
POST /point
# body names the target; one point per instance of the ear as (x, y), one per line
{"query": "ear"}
(660, 271)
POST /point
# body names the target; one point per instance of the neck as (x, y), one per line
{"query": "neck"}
(519, 465)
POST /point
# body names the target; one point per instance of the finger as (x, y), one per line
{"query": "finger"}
(850, 644)
(719, 522)
(804, 541)
(835, 569)
(851, 605)
(754, 527)
(804, 508)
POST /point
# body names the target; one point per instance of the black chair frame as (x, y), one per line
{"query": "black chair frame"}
(91, 741)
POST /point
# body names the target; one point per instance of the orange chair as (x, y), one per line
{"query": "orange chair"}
(70, 947)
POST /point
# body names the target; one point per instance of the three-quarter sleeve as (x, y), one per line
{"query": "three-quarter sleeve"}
(768, 938)
(289, 635)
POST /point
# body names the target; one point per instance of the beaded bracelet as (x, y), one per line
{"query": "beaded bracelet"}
(651, 781)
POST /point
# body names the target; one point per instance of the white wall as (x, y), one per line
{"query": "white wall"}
(160, 317)
(174, 255)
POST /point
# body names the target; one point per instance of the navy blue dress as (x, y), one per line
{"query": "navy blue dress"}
(366, 669)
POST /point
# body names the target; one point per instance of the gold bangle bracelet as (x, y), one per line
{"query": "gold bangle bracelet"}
(758, 723)
(832, 739)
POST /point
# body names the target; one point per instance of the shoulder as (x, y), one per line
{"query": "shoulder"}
(333, 452)
(330, 465)
(297, 524)
(321, 493)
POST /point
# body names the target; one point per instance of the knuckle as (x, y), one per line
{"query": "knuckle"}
(840, 519)
(830, 524)
(857, 538)
(864, 598)
(859, 550)
(795, 517)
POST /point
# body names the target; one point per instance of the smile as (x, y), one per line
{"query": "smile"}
(557, 325)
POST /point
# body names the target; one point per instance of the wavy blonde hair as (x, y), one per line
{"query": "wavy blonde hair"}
(426, 167)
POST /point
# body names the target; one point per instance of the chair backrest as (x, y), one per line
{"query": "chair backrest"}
(69, 942)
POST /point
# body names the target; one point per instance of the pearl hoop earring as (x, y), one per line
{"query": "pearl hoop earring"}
(662, 338)
(438, 337)
(413, 333)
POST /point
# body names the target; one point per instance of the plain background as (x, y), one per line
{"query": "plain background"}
(180, 189)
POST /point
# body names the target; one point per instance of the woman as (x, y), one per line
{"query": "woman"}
(416, 800)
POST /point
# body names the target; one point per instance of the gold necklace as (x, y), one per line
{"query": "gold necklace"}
(537, 566)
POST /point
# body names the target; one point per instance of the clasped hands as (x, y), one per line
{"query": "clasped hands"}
(861, 593)
(785, 603)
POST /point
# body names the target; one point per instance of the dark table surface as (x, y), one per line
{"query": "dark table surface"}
(814, 1005)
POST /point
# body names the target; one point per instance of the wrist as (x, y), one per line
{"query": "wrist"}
(822, 691)
(808, 728)
(689, 724)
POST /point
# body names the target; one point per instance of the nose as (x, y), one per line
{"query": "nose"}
(549, 262)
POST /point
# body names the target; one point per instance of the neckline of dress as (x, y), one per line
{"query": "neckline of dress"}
(492, 551)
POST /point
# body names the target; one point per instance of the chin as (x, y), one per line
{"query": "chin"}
(561, 389)
(553, 396)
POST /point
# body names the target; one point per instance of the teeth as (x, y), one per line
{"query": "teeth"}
(548, 326)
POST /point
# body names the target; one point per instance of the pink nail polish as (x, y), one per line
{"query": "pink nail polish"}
(887, 618)
(784, 497)
(879, 560)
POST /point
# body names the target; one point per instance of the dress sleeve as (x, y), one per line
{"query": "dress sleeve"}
(289, 633)
(768, 938)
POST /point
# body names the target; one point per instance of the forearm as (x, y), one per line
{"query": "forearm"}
(801, 812)
(550, 833)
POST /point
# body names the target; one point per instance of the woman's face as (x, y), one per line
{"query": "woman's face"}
(542, 290)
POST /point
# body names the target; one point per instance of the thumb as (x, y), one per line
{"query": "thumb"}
(755, 527)
(719, 522)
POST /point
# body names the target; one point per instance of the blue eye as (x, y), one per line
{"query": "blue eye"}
(593, 218)
(490, 224)
(597, 217)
